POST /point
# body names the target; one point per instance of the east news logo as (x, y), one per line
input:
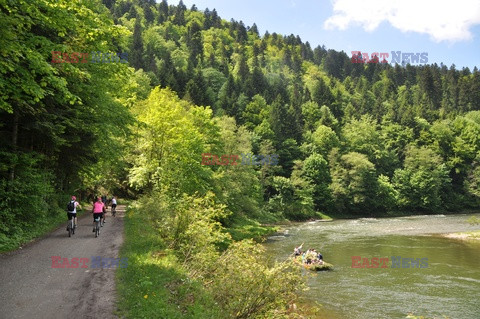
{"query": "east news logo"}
(397, 262)
(397, 57)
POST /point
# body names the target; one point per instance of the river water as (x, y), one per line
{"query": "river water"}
(448, 286)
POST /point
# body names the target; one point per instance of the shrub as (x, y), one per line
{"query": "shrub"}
(245, 286)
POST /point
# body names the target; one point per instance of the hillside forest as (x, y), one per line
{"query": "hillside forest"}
(352, 139)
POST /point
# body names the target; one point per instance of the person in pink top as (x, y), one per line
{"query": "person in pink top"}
(98, 210)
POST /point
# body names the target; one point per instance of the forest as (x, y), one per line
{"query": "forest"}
(353, 139)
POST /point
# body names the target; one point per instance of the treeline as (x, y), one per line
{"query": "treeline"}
(352, 138)
(62, 125)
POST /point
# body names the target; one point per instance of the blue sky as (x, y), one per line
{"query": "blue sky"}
(449, 31)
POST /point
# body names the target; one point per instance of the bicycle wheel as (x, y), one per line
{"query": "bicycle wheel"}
(72, 226)
(69, 229)
(97, 229)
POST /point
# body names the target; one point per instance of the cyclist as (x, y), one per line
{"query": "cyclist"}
(114, 204)
(73, 213)
(98, 210)
(104, 200)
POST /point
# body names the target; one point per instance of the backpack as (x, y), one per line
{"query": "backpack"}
(71, 206)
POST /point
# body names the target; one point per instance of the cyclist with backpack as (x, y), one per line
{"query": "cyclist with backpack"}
(72, 210)
(114, 205)
(98, 210)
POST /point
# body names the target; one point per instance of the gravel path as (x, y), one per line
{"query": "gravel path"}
(30, 287)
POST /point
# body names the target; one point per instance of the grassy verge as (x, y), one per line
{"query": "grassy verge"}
(178, 267)
(38, 229)
(154, 285)
(246, 228)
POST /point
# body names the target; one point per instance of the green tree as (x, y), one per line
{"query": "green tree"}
(354, 182)
(316, 171)
(255, 112)
(363, 136)
(148, 14)
(421, 182)
(311, 115)
(179, 17)
(168, 152)
(237, 186)
(472, 182)
(196, 90)
(324, 139)
(162, 11)
(137, 46)
(321, 93)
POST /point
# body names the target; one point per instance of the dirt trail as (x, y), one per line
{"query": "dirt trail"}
(31, 288)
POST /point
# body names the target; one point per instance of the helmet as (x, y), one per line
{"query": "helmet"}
(74, 198)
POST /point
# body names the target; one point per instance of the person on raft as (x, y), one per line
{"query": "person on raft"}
(297, 251)
(312, 257)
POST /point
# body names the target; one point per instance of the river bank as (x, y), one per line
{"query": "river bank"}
(473, 235)
(448, 286)
(392, 214)
(280, 228)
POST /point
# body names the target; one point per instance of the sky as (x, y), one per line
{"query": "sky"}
(448, 31)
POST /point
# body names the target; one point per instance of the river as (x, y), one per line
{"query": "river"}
(448, 286)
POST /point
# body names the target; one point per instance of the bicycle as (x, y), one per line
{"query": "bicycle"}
(97, 226)
(71, 226)
(114, 210)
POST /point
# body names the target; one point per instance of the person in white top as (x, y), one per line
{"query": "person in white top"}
(114, 205)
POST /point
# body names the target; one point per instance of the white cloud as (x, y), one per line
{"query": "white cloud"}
(442, 20)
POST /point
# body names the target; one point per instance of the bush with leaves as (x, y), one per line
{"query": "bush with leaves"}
(245, 286)
(189, 225)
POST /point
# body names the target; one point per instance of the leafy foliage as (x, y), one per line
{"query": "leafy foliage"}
(304, 101)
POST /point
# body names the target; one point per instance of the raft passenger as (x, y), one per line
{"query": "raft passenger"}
(298, 250)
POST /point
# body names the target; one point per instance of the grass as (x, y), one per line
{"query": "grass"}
(246, 228)
(154, 285)
(40, 228)
(325, 216)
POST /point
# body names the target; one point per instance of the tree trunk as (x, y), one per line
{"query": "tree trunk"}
(14, 142)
